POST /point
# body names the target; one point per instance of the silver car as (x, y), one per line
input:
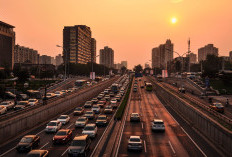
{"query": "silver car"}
(135, 143)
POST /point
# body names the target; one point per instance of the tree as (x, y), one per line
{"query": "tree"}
(211, 66)
(123, 69)
(138, 68)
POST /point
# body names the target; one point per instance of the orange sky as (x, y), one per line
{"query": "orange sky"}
(131, 27)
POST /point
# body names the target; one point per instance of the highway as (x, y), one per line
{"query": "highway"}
(173, 142)
(46, 139)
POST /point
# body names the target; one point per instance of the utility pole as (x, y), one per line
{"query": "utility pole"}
(189, 54)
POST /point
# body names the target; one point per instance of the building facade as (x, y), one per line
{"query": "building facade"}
(44, 59)
(25, 55)
(59, 60)
(93, 50)
(77, 44)
(124, 63)
(162, 55)
(107, 57)
(192, 58)
(7, 42)
(207, 50)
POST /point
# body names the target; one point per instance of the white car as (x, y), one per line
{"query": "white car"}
(50, 95)
(96, 108)
(58, 93)
(33, 102)
(53, 126)
(89, 114)
(158, 125)
(81, 122)
(135, 143)
(8, 104)
(64, 119)
(113, 101)
(90, 129)
(3, 109)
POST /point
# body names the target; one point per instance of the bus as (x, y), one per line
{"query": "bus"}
(115, 88)
(80, 83)
(148, 87)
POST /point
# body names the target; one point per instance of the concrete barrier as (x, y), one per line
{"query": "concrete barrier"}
(209, 128)
(15, 125)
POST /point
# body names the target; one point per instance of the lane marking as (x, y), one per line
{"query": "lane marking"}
(64, 152)
(156, 114)
(171, 147)
(70, 125)
(8, 151)
(142, 125)
(194, 142)
(40, 132)
(44, 145)
(145, 147)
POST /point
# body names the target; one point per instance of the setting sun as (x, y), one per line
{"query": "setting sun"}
(173, 20)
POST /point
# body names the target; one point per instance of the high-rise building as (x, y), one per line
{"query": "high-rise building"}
(107, 57)
(59, 60)
(162, 55)
(77, 44)
(25, 55)
(44, 59)
(53, 60)
(192, 57)
(124, 63)
(7, 42)
(230, 55)
(93, 50)
(207, 50)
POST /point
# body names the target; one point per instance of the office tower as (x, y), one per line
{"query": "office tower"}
(107, 57)
(93, 50)
(207, 50)
(59, 60)
(25, 55)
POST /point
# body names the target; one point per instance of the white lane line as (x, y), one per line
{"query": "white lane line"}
(156, 114)
(194, 142)
(69, 126)
(171, 147)
(64, 152)
(142, 125)
(44, 145)
(145, 146)
(8, 151)
(40, 132)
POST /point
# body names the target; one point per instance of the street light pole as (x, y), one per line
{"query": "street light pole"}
(65, 61)
(92, 65)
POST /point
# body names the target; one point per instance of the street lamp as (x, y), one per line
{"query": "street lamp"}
(65, 61)
(92, 65)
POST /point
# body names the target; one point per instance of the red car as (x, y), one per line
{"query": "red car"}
(62, 136)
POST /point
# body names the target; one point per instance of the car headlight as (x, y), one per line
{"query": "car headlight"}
(64, 139)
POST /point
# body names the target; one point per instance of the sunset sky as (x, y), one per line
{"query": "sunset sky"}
(131, 27)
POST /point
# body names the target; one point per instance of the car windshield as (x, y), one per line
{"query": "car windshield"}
(100, 102)
(22, 103)
(78, 109)
(218, 105)
(88, 102)
(26, 140)
(81, 119)
(134, 139)
(32, 100)
(89, 128)
(4, 103)
(158, 123)
(52, 124)
(78, 143)
(57, 92)
(61, 133)
(102, 118)
(108, 107)
(62, 117)
(134, 115)
(89, 112)
(95, 107)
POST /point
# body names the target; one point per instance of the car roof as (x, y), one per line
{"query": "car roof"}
(102, 115)
(80, 137)
(158, 120)
(54, 121)
(36, 151)
(30, 136)
(64, 130)
(91, 124)
(135, 137)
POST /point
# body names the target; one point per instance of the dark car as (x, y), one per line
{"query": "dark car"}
(21, 105)
(9, 95)
(217, 107)
(94, 100)
(38, 153)
(182, 90)
(27, 143)
(101, 103)
(134, 117)
(78, 111)
(62, 136)
(79, 146)
(102, 120)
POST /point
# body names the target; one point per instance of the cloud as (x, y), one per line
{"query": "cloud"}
(176, 1)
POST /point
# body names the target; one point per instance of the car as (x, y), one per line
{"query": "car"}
(101, 104)
(38, 153)
(9, 95)
(103, 100)
(102, 120)
(108, 109)
(8, 104)
(21, 105)
(81, 122)
(33, 102)
(22, 97)
(58, 93)
(64, 91)
(106, 91)
(217, 107)
(111, 94)
(50, 95)
(88, 104)
(3, 109)
(118, 98)
(90, 129)
(142, 86)
(96, 109)
(53, 126)
(94, 100)
(70, 90)
(158, 125)
(114, 104)
(135, 89)
(78, 111)
(62, 136)
(79, 146)
(181, 89)
(135, 143)
(89, 114)
(27, 143)
(134, 117)
(107, 97)
(100, 96)
(64, 119)
(113, 101)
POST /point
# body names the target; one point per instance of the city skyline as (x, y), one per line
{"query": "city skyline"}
(129, 28)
